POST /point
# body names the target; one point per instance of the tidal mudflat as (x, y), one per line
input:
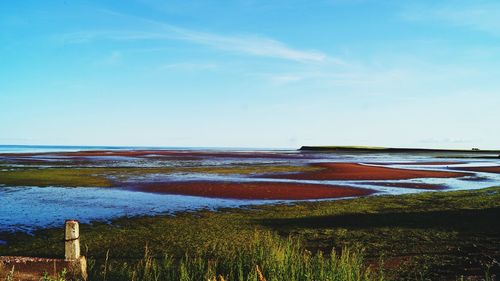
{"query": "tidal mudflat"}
(41, 188)
(436, 220)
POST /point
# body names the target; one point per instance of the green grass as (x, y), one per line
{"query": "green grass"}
(266, 255)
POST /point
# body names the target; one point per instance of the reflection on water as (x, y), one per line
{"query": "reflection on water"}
(23, 208)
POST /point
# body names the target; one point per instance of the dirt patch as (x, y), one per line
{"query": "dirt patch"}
(29, 268)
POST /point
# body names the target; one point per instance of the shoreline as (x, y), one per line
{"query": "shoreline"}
(412, 231)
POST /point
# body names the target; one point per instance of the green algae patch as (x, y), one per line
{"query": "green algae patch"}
(112, 176)
(54, 177)
(253, 169)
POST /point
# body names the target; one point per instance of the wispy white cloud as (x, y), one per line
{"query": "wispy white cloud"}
(114, 58)
(189, 66)
(88, 36)
(476, 15)
(287, 78)
(254, 45)
(397, 79)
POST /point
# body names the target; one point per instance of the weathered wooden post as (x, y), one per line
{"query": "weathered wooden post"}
(77, 263)
(72, 241)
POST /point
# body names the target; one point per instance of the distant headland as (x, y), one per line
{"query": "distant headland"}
(376, 149)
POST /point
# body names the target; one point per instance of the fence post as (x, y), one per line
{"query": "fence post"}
(72, 241)
(77, 263)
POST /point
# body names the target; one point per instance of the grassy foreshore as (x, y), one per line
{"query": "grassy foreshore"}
(428, 236)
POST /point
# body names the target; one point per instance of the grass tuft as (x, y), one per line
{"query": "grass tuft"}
(266, 257)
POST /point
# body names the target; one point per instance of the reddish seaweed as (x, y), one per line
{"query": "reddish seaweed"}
(354, 171)
(252, 190)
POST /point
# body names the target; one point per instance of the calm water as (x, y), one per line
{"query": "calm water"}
(28, 208)
(62, 148)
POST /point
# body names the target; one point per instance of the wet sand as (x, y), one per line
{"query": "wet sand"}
(353, 171)
(253, 190)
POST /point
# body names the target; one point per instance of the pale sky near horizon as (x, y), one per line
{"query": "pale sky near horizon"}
(250, 73)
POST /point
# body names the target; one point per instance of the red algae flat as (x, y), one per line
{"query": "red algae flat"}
(353, 171)
(253, 190)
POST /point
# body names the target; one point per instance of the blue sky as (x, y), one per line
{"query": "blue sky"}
(250, 73)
